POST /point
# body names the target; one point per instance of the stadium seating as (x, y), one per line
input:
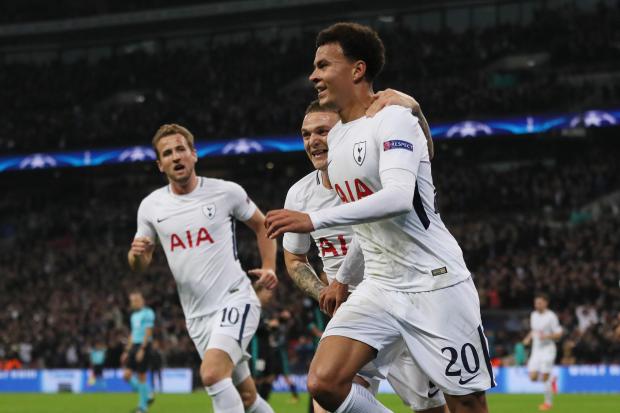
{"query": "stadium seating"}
(259, 86)
(524, 227)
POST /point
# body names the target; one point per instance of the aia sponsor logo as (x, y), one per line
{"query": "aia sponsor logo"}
(329, 248)
(189, 240)
(361, 190)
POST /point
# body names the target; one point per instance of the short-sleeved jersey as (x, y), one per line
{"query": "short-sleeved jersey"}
(308, 194)
(97, 356)
(140, 321)
(197, 234)
(412, 252)
(544, 323)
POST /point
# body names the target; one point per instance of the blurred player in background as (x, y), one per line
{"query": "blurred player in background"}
(314, 192)
(97, 357)
(269, 346)
(137, 354)
(156, 366)
(193, 218)
(416, 285)
(545, 331)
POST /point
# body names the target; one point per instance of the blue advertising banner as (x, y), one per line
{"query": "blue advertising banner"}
(15, 381)
(82, 381)
(460, 130)
(570, 379)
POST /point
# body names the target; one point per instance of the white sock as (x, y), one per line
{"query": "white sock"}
(361, 400)
(226, 398)
(260, 406)
(548, 391)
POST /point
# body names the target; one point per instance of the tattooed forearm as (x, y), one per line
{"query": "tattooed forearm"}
(306, 279)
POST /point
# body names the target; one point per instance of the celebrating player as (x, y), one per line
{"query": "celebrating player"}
(416, 285)
(193, 219)
(137, 354)
(314, 192)
(545, 331)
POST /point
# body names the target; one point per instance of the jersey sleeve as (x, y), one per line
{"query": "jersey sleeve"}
(401, 141)
(242, 207)
(149, 319)
(145, 223)
(555, 325)
(292, 242)
(351, 270)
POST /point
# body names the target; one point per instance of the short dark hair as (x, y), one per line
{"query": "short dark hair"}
(315, 106)
(358, 42)
(136, 291)
(544, 296)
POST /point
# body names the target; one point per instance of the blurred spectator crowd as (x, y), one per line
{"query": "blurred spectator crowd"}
(259, 86)
(37, 10)
(535, 225)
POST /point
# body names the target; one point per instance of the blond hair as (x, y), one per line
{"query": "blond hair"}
(172, 129)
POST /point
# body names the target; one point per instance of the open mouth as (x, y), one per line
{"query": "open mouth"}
(179, 167)
(319, 153)
(321, 90)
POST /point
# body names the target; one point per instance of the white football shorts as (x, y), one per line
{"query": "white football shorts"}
(229, 329)
(442, 330)
(541, 362)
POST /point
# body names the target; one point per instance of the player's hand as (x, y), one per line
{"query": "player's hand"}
(266, 277)
(140, 355)
(280, 221)
(391, 97)
(142, 245)
(124, 358)
(332, 297)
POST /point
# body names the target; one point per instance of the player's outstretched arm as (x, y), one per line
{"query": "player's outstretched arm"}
(303, 274)
(395, 198)
(391, 97)
(140, 254)
(528, 339)
(267, 249)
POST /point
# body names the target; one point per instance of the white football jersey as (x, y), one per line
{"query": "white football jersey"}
(413, 252)
(308, 194)
(197, 233)
(544, 323)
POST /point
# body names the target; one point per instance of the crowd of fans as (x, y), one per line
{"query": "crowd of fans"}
(522, 228)
(21, 11)
(259, 86)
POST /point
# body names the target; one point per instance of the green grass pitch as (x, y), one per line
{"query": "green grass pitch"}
(199, 403)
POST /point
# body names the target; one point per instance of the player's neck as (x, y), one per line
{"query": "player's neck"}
(359, 102)
(184, 188)
(325, 178)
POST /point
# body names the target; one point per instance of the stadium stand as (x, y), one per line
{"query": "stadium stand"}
(537, 224)
(251, 85)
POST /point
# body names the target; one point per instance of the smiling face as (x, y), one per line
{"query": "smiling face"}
(314, 130)
(334, 75)
(176, 159)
